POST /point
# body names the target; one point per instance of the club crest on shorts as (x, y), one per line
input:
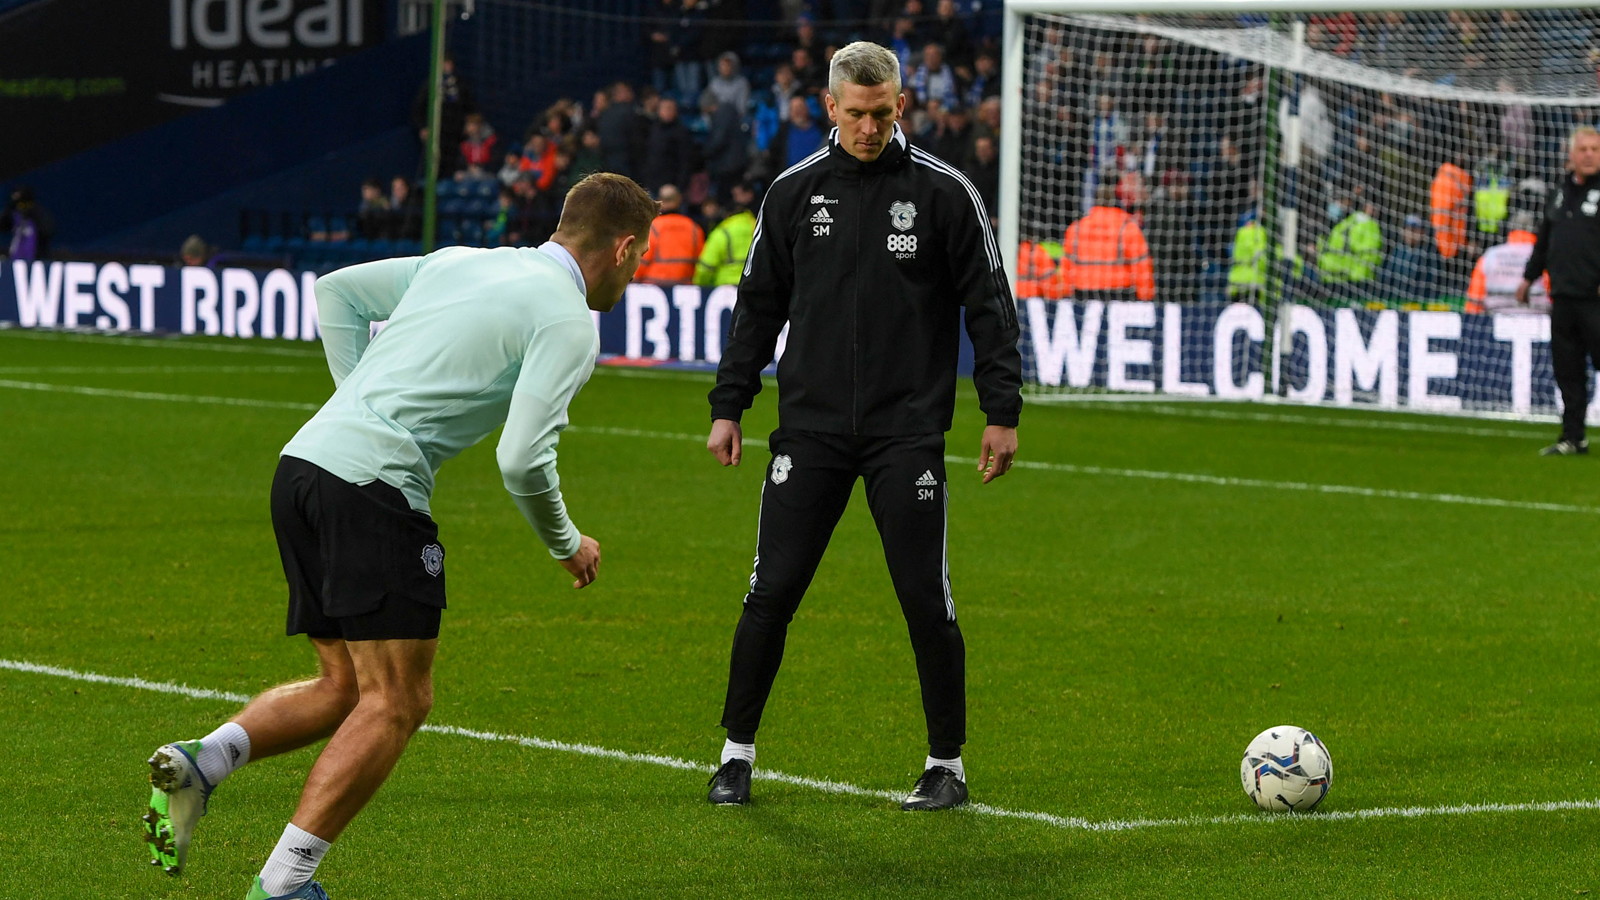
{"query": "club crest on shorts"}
(903, 214)
(433, 559)
(781, 464)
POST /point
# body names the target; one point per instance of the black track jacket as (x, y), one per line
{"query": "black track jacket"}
(1569, 240)
(870, 264)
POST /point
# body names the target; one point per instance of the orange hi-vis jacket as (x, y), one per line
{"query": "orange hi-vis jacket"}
(675, 245)
(1036, 272)
(1452, 189)
(1105, 251)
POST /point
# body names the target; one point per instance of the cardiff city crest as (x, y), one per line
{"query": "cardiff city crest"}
(903, 214)
(781, 464)
(433, 559)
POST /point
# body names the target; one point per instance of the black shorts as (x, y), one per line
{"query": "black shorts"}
(362, 565)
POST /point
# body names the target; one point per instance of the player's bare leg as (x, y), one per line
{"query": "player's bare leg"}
(394, 680)
(290, 716)
(184, 773)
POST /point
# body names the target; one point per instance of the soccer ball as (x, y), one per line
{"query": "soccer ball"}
(1286, 769)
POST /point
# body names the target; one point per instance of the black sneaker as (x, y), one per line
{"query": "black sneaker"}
(731, 785)
(938, 788)
(1567, 447)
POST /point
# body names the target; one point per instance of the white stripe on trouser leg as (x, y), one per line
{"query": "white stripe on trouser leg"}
(755, 566)
(944, 552)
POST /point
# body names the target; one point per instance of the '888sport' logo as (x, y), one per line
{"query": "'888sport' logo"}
(903, 246)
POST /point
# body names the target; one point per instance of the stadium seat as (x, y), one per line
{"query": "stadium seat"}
(254, 243)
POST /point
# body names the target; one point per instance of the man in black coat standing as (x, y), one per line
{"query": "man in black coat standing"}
(671, 155)
(872, 251)
(1569, 249)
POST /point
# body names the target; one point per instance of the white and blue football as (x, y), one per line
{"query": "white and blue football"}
(1286, 769)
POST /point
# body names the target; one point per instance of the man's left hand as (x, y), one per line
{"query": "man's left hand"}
(999, 448)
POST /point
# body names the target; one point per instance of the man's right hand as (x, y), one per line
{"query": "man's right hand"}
(1522, 292)
(585, 564)
(726, 442)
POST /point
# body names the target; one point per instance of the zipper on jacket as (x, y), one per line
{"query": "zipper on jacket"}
(855, 312)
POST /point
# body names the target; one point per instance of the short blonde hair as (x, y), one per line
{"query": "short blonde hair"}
(863, 63)
(603, 207)
(1581, 131)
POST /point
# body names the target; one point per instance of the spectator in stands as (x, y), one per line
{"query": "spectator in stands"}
(511, 169)
(563, 181)
(195, 251)
(675, 243)
(671, 157)
(934, 80)
(727, 148)
(539, 160)
(988, 123)
(505, 212)
(372, 216)
(730, 87)
(722, 260)
(709, 213)
(784, 86)
(951, 139)
(1412, 272)
(1352, 252)
(1516, 128)
(620, 131)
(951, 33)
(405, 210)
(477, 149)
(1104, 253)
(797, 138)
(805, 36)
(1168, 225)
(661, 54)
(985, 81)
(903, 40)
(984, 173)
(1499, 271)
(1107, 142)
(455, 102)
(587, 159)
(684, 36)
(810, 76)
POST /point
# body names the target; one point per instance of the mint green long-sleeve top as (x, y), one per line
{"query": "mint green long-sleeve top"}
(474, 338)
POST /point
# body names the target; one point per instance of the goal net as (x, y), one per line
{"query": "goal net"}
(1326, 207)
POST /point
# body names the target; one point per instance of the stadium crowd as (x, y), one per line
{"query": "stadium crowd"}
(1144, 159)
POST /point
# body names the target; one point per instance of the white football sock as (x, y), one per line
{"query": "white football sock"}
(292, 862)
(222, 752)
(953, 765)
(746, 752)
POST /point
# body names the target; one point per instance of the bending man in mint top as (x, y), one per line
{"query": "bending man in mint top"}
(475, 339)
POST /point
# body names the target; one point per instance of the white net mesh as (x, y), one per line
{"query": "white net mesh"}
(1335, 205)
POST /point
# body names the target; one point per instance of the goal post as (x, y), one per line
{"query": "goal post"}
(1312, 184)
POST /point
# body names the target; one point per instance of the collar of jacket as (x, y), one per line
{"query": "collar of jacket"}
(1593, 181)
(846, 164)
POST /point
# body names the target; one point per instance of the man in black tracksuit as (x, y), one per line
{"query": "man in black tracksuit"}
(868, 249)
(1569, 249)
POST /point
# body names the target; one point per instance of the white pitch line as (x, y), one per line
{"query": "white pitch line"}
(159, 370)
(158, 342)
(1073, 823)
(1331, 421)
(150, 395)
(1220, 481)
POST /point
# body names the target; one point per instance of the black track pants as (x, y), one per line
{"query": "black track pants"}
(807, 488)
(1574, 340)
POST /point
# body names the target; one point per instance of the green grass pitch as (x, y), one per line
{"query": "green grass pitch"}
(1126, 637)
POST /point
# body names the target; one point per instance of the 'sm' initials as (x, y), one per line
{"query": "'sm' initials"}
(924, 493)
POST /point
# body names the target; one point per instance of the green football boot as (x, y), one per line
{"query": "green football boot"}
(178, 795)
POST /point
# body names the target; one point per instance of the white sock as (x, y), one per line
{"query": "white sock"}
(292, 862)
(746, 752)
(953, 765)
(223, 751)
